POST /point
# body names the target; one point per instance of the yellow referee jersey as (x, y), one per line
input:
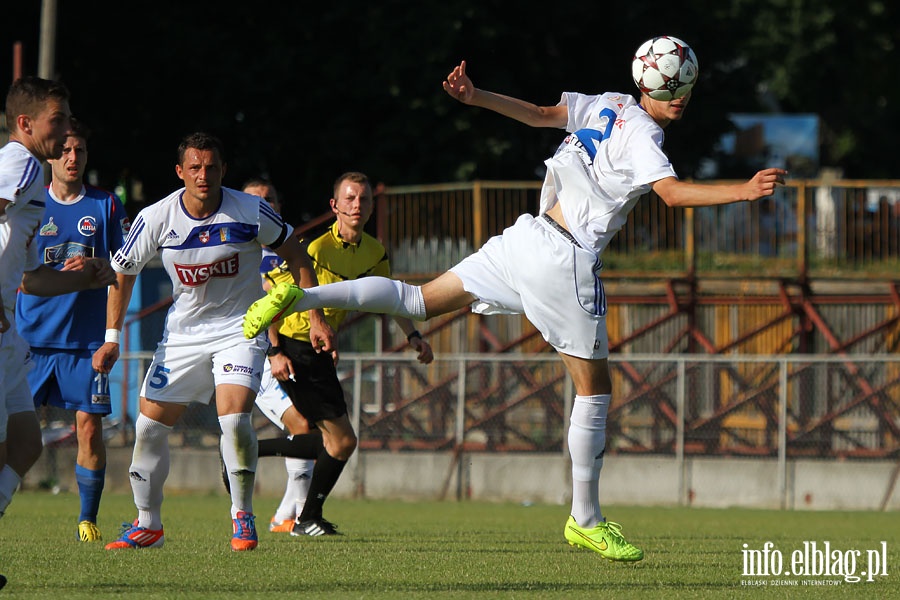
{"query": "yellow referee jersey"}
(334, 260)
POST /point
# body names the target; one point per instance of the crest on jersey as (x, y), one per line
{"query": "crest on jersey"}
(204, 236)
(87, 226)
(49, 229)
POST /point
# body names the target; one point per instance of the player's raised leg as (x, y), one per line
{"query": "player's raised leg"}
(371, 294)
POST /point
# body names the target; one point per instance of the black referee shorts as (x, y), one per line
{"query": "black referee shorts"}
(317, 394)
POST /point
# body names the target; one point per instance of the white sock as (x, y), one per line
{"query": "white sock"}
(239, 452)
(9, 483)
(299, 473)
(587, 440)
(368, 294)
(149, 470)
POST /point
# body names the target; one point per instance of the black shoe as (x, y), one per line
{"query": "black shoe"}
(2, 581)
(314, 527)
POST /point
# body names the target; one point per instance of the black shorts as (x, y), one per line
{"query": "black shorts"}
(317, 394)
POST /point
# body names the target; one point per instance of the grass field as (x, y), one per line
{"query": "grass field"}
(427, 550)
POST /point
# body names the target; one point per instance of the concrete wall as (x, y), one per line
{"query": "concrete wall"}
(543, 478)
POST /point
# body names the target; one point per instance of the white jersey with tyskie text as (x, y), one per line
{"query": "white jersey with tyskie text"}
(213, 262)
(611, 157)
(22, 184)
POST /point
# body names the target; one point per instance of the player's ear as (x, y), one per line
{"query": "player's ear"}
(333, 204)
(23, 123)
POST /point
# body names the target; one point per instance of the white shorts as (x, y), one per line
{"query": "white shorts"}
(186, 369)
(272, 400)
(535, 267)
(15, 363)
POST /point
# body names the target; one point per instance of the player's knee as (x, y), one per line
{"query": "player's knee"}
(342, 445)
(347, 445)
(295, 423)
(90, 433)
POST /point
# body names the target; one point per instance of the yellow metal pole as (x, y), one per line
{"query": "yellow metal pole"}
(478, 220)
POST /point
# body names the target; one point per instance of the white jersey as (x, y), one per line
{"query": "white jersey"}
(21, 183)
(213, 262)
(611, 158)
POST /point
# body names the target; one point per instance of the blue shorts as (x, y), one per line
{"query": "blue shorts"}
(83, 388)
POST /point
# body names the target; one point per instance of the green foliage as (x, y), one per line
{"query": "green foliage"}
(418, 550)
(303, 91)
(835, 59)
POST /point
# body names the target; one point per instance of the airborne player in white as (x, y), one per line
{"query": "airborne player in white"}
(209, 238)
(548, 267)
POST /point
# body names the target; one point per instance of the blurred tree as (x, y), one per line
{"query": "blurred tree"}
(835, 59)
(301, 92)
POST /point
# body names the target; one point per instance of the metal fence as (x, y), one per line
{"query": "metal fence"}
(780, 404)
(808, 228)
(776, 406)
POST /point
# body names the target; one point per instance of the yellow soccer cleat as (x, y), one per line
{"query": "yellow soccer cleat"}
(274, 306)
(605, 539)
(88, 532)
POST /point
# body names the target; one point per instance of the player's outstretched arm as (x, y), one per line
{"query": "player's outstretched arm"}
(116, 305)
(45, 281)
(678, 193)
(764, 183)
(459, 86)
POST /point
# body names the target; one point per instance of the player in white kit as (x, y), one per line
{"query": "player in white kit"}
(38, 118)
(547, 267)
(209, 238)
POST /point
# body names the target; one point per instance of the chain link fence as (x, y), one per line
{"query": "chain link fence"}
(776, 406)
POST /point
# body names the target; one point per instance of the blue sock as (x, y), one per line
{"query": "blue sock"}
(90, 488)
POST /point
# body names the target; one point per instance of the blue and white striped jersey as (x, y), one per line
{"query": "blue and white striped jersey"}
(213, 262)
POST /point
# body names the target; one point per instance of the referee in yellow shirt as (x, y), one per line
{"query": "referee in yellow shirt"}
(309, 376)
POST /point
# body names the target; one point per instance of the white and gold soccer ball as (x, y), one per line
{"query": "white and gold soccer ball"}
(664, 68)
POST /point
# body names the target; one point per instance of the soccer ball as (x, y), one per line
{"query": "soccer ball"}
(664, 68)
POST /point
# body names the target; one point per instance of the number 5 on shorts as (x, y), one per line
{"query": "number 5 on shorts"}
(159, 380)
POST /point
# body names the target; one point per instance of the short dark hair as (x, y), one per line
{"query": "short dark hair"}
(355, 177)
(79, 129)
(201, 140)
(27, 95)
(260, 182)
(257, 181)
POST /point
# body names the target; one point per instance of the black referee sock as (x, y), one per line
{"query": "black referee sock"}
(324, 477)
(307, 445)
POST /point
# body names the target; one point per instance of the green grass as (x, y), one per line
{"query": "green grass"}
(421, 550)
